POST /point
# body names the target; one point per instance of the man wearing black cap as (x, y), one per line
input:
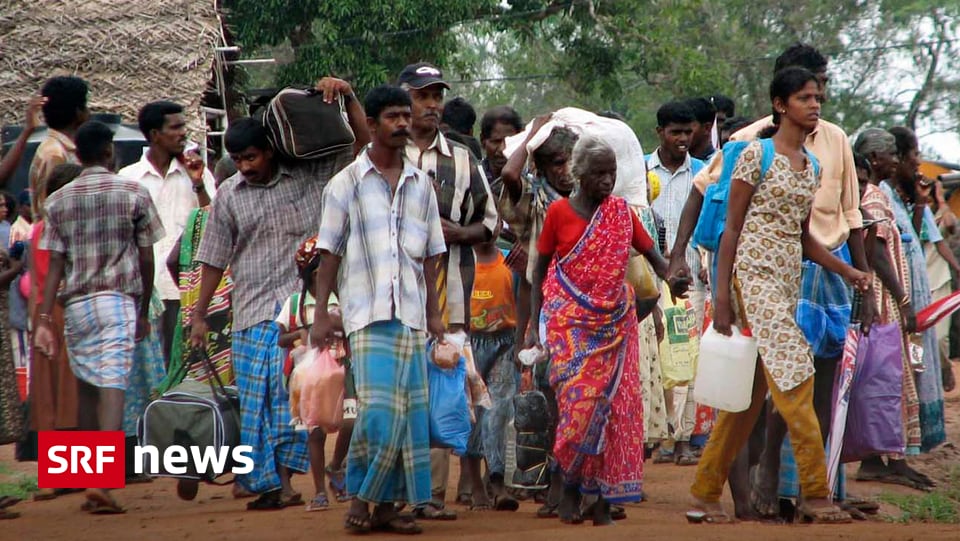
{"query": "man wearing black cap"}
(469, 216)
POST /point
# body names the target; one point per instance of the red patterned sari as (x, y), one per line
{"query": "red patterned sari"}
(592, 335)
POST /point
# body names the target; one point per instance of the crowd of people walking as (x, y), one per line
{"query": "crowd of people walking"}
(543, 241)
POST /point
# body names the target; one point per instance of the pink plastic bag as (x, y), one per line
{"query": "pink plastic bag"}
(320, 383)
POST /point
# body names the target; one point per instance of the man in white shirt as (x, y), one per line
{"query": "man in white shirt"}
(178, 183)
(675, 167)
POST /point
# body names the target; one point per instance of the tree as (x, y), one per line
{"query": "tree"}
(366, 41)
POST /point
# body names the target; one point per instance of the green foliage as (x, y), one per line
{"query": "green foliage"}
(931, 507)
(365, 41)
(627, 55)
(21, 486)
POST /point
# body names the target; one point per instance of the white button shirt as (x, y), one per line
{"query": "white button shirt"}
(174, 198)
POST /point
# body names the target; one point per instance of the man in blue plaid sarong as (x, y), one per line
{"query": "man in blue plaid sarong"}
(259, 218)
(380, 239)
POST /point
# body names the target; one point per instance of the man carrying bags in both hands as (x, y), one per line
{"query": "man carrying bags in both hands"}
(382, 229)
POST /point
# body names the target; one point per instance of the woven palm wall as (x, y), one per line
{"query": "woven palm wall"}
(130, 52)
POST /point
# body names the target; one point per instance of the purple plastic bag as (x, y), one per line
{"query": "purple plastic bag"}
(875, 414)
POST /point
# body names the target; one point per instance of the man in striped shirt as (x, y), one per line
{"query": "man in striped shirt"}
(468, 213)
(380, 239)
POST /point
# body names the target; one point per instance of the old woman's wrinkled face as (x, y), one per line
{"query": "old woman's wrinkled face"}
(599, 175)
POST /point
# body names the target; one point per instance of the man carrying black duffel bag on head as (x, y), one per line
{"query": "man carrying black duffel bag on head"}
(260, 217)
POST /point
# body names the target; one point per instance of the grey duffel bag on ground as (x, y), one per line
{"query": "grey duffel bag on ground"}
(302, 126)
(193, 414)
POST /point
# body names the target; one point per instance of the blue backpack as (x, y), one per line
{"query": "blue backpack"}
(713, 213)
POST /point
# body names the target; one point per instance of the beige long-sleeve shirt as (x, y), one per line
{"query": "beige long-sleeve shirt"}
(836, 205)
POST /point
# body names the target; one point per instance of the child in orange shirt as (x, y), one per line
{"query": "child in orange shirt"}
(493, 322)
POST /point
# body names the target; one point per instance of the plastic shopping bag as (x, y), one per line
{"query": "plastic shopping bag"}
(449, 412)
(681, 346)
(874, 422)
(316, 390)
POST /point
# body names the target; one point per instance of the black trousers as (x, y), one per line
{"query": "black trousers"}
(171, 316)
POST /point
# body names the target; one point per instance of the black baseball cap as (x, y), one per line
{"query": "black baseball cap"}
(422, 75)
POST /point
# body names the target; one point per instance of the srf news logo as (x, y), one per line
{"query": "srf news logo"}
(96, 459)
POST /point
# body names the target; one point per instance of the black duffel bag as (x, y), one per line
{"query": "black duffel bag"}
(302, 126)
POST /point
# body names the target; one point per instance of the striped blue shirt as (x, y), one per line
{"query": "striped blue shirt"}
(674, 189)
(382, 239)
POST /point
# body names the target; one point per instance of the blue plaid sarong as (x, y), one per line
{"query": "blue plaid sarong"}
(264, 408)
(389, 457)
(99, 335)
(789, 476)
(823, 310)
(147, 372)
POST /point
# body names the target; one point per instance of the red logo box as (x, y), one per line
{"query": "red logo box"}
(81, 459)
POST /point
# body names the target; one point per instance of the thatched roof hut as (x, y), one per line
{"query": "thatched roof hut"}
(130, 51)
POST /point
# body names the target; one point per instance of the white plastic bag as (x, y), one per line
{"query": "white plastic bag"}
(631, 181)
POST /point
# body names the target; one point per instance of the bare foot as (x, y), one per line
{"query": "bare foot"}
(764, 495)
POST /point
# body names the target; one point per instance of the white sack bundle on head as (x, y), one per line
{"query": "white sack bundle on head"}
(631, 168)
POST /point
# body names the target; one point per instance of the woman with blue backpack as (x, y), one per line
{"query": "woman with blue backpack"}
(765, 237)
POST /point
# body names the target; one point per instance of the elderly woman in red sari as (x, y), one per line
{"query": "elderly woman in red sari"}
(580, 296)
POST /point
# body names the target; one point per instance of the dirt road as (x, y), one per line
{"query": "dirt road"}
(154, 512)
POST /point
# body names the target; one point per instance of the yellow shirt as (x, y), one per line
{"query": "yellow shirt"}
(836, 205)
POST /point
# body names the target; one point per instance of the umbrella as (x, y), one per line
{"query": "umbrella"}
(934, 313)
(848, 366)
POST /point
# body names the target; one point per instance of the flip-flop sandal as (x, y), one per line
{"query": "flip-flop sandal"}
(548, 511)
(698, 516)
(266, 502)
(664, 458)
(686, 459)
(824, 515)
(480, 507)
(618, 513)
(44, 495)
(867, 506)
(100, 503)
(100, 508)
(291, 500)
(432, 511)
(397, 525)
(7, 501)
(505, 503)
(357, 524)
(8, 515)
(854, 513)
(318, 503)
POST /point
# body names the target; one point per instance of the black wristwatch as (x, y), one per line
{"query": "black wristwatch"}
(197, 188)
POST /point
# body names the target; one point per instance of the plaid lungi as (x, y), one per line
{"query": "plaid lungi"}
(823, 311)
(789, 481)
(147, 371)
(99, 335)
(389, 458)
(264, 408)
